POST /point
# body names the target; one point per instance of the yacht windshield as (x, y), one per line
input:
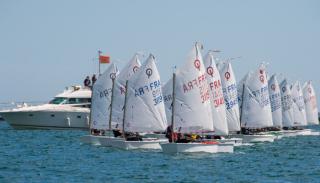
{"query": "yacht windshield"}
(58, 100)
(73, 101)
(78, 100)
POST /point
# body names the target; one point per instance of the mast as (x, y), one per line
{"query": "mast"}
(173, 105)
(241, 107)
(99, 54)
(111, 104)
(124, 110)
(90, 115)
(241, 104)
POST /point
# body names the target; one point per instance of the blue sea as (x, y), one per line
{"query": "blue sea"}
(58, 156)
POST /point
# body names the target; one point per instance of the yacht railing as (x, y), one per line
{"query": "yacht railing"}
(11, 105)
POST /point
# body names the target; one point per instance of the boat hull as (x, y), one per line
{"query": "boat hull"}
(289, 133)
(146, 143)
(256, 138)
(174, 148)
(234, 141)
(278, 134)
(91, 139)
(304, 132)
(47, 119)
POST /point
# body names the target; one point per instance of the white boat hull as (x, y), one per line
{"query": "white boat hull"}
(91, 139)
(146, 143)
(278, 134)
(47, 119)
(256, 138)
(313, 133)
(174, 148)
(289, 133)
(234, 141)
(304, 132)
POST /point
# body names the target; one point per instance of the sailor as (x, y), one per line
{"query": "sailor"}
(117, 132)
(93, 79)
(131, 136)
(87, 82)
(169, 134)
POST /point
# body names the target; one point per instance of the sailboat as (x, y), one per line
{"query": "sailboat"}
(256, 110)
(100, 115)
(287, 109)
(230, 94)
(120, 89)
(299, 112)
(191, 109)
(276, 107)
(240, 89)
(168, 98)
(143, 110)
(310, 101)
(311, 108)
(218, 107)
(275, 101)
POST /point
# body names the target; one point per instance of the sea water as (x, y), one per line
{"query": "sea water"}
(58, 156)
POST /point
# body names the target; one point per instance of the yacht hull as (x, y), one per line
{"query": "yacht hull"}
(47, 119)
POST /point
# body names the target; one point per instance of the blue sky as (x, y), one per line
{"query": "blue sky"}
(48, 45)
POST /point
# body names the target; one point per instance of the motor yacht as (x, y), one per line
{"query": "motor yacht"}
(69, 109)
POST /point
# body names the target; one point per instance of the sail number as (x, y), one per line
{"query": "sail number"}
(105, 93)
(154, 88)
(230, 96)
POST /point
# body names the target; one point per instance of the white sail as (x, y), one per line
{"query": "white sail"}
(286, 102)
(145, 110)
(216, 95)
(192, 102)
(299, 112)
(101, 99)
(256, 109)
(119, 89)
(240, 87)
(230, 94)
(167, 98)
(310, 101)
(275, 101)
